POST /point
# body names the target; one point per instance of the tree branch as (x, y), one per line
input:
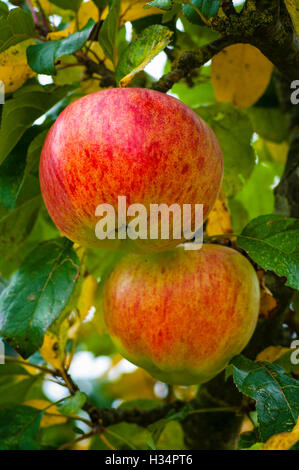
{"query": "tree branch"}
(266, 25)
(190, 61)
(263, 24)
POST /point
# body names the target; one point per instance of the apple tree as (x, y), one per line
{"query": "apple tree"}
(63, 385)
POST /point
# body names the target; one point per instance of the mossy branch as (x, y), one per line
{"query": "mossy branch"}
(190, 61)
(263, 24)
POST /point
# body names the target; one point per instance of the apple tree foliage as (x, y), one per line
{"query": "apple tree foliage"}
(237, 67)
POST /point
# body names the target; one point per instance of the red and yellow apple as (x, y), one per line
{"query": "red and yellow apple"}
(137, 143)
(182, 315)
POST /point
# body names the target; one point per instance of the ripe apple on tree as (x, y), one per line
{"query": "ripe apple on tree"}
(182, 315)
(131, 142)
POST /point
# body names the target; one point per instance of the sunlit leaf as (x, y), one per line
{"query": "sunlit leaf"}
(37, 294)
(140, 52)
(42, 56)
(240, 75)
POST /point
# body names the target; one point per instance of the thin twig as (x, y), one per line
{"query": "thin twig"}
(33, 12)
(75, 441)
(29, 364)
(105, 440)
(190, 61)
(215, 410)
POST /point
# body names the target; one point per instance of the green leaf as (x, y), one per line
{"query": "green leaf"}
(124, 436)
(16, 225)
(10, 368)
(162, 4)
(37, 294)
(208, 8)
(172, 437)
(12, 170)
(272, 241)
(276, 395)
(234, 132)
(101, 4)
(41, 57)
(33, 154)
(67, 4)
(15, 391)
(268, 123)
(72, 405)
(247, 439)
(19, 113)
(18, 26)
(201, 94)
(157, 429)
(3, 10)
(265, 175)
(19, 426)
(108, 31)
(141, 51)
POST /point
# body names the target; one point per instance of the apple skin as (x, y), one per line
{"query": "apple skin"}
(182, 315)
(131, 142)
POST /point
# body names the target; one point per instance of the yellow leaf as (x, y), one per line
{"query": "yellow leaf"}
(14, 70)
(268, 303)
(271, 354)
(133, 10)
(219, 220)
(293, 9)
(45, 4)
(283, 441)
(86, 11)
(131, 386)
(279, 152)
(47, 419)
(240, 74)
(90, 85)
(68, 75)
(53, 347)
(185, 393)
(54, 36)
(96, 50)
(87, 296)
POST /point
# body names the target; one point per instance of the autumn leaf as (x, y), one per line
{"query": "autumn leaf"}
(268, 303)
(278, 151)
(283, 441)
(133, 385)
(271, 354)
(14, 69)
(219, 220)
(52, 349)
(240, 74)
(132, 10)
(87, 296)
(51, 416)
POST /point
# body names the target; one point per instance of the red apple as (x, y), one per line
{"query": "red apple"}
(137, 143)
(182, 315)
